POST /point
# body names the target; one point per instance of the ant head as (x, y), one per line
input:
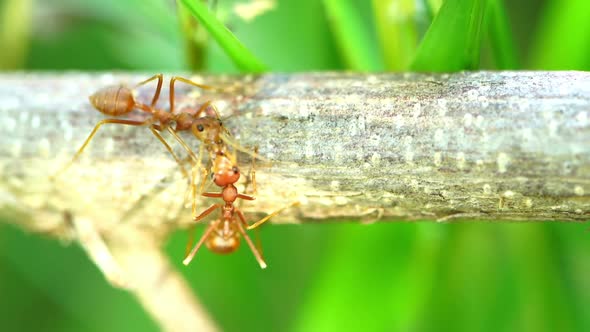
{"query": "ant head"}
(221, 245)
(206, 129)
(226, 175)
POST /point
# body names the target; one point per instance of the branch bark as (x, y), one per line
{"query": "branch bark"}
(486, 145)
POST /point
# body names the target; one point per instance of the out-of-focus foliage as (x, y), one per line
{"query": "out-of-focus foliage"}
(344, 277)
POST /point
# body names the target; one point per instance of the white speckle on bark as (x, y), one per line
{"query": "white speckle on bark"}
(341, 200)
(15, 149)
(335, 185)
(502, 161)
(439, 137)
(479, 121)
(375, 159)
(437, 159)
(582, 118)
(35, 122)
(468, 119)
(9, 124)
(487, 189)
(553, 126)
(442, 107)
(417, 110)
(508, 194)
(409, 156)
(461, 160)
(44, 148)
(578, 190)
(23, 117)
(109, 146)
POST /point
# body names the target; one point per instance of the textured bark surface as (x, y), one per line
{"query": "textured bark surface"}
(478, 146)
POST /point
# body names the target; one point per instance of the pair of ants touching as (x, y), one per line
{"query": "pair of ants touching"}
(223, 234)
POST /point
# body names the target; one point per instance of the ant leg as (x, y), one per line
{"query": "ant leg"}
(189, 256)
(160, 78)
(155, 129)
(191, 237)
(187, 81)
(182, 143)
(251, 178)
(204, 107)
(207, 212)
(257, 234)
(265, 219)
(253, 172)
(238, 147)
(206, 235)
(215, 195)
(193, 184)
(93, 132)
(255, 251)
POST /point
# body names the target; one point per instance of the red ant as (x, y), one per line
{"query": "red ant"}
(117, 100)
(223, 234)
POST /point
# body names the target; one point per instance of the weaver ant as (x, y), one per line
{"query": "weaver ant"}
(117, 100)
(223, 234)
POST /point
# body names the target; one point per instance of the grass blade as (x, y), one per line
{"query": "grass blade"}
(562, 40)
(452, 42)
(400, 25)
(356, 43)
(15, 31)
(242, 57)
(194, 38)
(501, 38)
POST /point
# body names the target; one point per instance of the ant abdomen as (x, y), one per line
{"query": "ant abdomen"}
(220, 245)
(113, 100)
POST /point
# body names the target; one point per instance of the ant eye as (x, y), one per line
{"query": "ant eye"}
(235, 169)
(200, 127)
(220, 123)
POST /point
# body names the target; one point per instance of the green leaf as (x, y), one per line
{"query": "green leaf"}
(452, 43)
(194, 38)
(501, 38)
(15, 31)
(375, 278)
(562, 40)
(400, 26)
(356, 43)
(241, 56)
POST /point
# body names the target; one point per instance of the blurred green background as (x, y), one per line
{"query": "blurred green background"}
(330, 277)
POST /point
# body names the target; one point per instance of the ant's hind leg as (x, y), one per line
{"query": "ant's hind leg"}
(193, 184)
(255, 251)
(155, 129)
(187, 81)
(256, 235)
(265, 219)
(206, 235)
(229, 141)
(183, 144)
(160, 79)
(251, 178)
(93, 132)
